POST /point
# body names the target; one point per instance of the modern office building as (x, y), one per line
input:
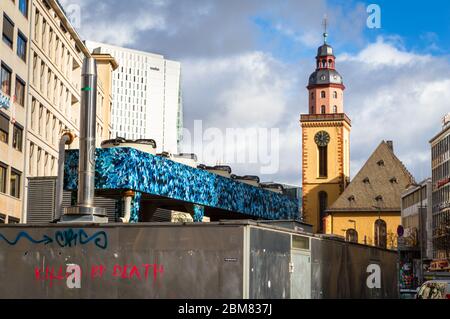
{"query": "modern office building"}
(14, 51)
(415, 245)
(440, 165)
(147, 97)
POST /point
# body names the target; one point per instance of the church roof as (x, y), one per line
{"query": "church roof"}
(325, 76)
(324, 50)
(379, 183)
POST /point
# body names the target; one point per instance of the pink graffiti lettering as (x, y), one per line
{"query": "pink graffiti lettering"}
(97, 271)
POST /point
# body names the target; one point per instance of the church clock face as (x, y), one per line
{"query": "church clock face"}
(322, 138)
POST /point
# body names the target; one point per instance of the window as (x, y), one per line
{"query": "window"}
(14, 183)
(8, 31)
(322, 109)
(2, 219)
(323, 203)
(335, 109)
(22, 46)
(4, 128)
(20, 91)
(351, 235)
(323, 150)
(322, 94)
(380, 233)
(13, 220)
(3, 169)
(17, 137)
(335, 94)
(23, 7)
(5, 77)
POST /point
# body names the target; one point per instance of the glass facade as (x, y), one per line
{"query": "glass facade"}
(440, 164)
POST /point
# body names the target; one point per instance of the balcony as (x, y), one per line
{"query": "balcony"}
(325, 117)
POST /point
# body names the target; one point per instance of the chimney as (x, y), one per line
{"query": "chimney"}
(390, 145)
(85, 211)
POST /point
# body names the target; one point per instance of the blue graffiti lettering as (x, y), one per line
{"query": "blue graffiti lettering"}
(64, 238)
(97, 237)
(45, 239)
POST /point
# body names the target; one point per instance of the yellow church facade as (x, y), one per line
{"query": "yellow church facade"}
(325, 140)
(367, 210)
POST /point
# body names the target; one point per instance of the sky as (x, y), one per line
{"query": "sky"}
(245, 64)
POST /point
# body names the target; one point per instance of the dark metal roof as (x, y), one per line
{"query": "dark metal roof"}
(224, 168)
(325, 76)
(324, 50)
(246, 178)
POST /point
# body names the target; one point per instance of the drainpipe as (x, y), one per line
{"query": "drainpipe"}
(85, 211)
(127, 197)
(66, 139)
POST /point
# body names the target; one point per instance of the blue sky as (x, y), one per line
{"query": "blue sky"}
(245, 63)
(416, 25)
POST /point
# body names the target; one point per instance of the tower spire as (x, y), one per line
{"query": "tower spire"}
(325, 25)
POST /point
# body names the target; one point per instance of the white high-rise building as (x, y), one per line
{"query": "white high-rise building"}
(146, 96)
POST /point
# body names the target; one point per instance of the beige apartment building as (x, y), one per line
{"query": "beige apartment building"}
(14, 46)
(53, 64)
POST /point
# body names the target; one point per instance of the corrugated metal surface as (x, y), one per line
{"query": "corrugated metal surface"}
(162, 215)
(107, 203)
(41, 200)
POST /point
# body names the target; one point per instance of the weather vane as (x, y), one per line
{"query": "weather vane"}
(325, 24)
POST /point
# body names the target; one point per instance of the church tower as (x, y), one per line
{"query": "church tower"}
(325, 139)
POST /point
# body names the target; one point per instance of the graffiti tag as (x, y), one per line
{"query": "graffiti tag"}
(72, 273)
(63, 238)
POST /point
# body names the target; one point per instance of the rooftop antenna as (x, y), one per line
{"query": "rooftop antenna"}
(325, 25)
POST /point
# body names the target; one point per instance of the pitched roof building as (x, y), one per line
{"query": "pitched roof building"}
(368, 211)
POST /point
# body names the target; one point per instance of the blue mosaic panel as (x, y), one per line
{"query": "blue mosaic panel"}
(199, 212)
(128, 168)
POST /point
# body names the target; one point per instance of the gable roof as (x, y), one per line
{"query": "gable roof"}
(379, 183)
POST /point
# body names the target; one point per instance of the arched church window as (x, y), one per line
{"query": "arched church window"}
(322, 94)
(330, 63)
(323, 109)
(312, 109)
(323, 161)
(335, 94)
(312, 95)
(323, 203)
(351, 235)
(324, 63)
(380, 233)
(335, 109)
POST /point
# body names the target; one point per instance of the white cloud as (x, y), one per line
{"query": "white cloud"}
(382, 53)
(250, 90)
(395, 95)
